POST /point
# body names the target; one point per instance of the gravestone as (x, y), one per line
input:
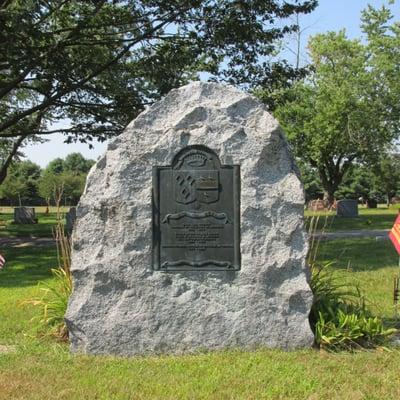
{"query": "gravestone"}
(70, 218)
(347, 208)
(395, 200)
(25, 215)
(317, 205)
(190, 233)
(372, 203)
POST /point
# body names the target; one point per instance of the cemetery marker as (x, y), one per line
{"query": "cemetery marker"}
(190, 233)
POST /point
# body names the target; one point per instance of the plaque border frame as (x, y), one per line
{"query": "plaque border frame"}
(156, 231)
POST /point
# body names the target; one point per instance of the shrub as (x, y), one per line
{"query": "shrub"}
(339, 316)
(53, 300)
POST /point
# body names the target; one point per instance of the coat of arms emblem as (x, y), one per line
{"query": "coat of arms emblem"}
(200, 185)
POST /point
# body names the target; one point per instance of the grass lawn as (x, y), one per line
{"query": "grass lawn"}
(368, 219)
(368, 263)
(43, 369)
(44, 227)
(380, 218)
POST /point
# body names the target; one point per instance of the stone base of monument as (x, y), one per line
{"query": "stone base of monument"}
(25, 215)
(190, 233)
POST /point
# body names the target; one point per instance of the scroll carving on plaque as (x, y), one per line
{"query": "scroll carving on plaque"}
(196, 208)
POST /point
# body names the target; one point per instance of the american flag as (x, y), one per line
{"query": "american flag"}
(2, 261)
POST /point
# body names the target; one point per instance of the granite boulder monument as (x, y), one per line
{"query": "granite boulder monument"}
(190, 233)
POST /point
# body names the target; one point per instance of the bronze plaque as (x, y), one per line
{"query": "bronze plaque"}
(196, 209)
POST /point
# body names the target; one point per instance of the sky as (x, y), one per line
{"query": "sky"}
(330, 15)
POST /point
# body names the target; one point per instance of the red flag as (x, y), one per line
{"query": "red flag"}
(394, 234)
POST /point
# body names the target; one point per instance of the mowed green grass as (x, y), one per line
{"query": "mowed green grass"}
(44, 227)
(367, 263)
(43, 369)
(368, 219)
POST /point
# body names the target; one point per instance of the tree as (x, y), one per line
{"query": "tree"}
(55, 166)
(96, 64)
(387, 176)
(336, 116)
(76, 164)
(311, 182)
(21, 183)
(383, 55)
(67, 176)
(48, 185)
(358, 183)
(69, 185)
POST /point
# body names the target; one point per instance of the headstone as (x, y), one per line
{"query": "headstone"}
(70, 218)
(317, 205)
(395, 200)
(372, 203)
(24, 215)
(190, 233)
(347, 208)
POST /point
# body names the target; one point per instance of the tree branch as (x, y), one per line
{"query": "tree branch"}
(10, 157)
(62, 92)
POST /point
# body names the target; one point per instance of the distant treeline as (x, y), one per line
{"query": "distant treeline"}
(62, 181)
(380, 182)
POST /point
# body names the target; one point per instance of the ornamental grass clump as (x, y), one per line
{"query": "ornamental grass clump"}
(53, 299)
(339, 316)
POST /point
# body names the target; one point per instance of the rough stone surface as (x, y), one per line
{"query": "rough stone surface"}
(24, 215)
(121, 306)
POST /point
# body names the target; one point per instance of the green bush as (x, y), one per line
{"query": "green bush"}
(53, 300)
(339, 316)
(53, 304)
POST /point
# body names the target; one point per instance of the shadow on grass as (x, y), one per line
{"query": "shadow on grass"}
(44, 228)
(333, 223)
(27, 266)
(361, 254)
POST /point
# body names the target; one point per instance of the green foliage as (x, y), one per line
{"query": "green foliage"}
(66, 184)
(54, 297)
(76, 164)
(347, 110)
(311, 182)
(21, 182)
(358, 183)
(55, 166)
(27, 182)
(387, 176)
(348, 330)
(53, 304)
(339, 316)
(97, 64)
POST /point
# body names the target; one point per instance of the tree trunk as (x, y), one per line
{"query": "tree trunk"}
(329, 196)
(7, 162)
